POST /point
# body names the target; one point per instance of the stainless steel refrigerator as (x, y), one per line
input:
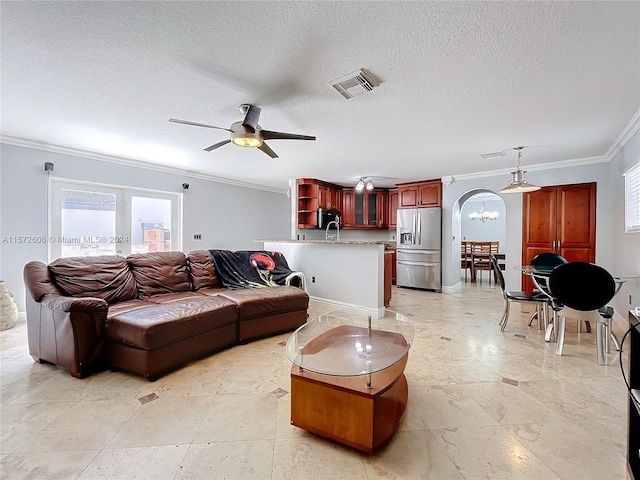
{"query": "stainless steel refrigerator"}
(419, 254)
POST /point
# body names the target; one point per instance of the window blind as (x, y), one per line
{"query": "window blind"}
(632, 199)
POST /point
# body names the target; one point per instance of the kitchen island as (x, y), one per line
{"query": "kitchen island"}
(344, 272)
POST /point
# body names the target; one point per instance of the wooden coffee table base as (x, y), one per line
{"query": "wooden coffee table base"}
(343, 409)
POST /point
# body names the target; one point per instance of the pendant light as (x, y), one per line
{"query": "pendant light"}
(518, 184)
(364, 183)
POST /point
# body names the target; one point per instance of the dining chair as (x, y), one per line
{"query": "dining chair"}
(582, 290)
(544, 260)
(481, 258)
(465, 257)
(539, 299)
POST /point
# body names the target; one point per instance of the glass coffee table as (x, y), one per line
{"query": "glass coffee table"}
(347, 377)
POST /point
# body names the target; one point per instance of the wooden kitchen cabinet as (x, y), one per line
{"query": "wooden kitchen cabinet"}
(314, 194)
(420, 194)
(393, 208)
(365, 209)
(560, 219)
(388, 274)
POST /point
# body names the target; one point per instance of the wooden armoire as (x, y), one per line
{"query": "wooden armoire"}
(559, 219)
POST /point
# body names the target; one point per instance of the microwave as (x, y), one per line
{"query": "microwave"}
(327, 215)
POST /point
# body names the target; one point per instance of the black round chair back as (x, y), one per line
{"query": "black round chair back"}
(582, 286)
(548, 259)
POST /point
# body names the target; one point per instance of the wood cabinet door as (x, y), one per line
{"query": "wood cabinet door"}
(560, 219)
(430, 194)
(335, 198)
(408, 197)
(323, 197)
(538, 222)
(348, 208)
(393, 208)
(576, 222)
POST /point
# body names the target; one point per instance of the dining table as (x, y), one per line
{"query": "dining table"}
(540, 276)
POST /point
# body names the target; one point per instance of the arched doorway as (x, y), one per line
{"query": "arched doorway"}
(479, 216)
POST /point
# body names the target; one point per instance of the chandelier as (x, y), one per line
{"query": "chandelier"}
(483, 214)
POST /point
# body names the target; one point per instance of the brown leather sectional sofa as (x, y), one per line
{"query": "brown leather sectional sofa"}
(147, 313)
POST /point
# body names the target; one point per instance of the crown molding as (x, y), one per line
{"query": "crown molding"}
(533, 168)
(76, 152)
(626, 134)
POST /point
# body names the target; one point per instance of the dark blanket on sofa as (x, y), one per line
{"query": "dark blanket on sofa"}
(250, 268)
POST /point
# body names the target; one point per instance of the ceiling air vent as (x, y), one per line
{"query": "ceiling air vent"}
(353, 84)
(490, 155)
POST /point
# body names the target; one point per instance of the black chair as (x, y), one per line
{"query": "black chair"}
(582, 290)
(509, 296)
(548, 260)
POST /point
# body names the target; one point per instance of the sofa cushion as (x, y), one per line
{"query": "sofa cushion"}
(173, 297)
(163, 324)
(160, 272)
(261, 302)
(203, 272)
(107, 277)
(129, 305)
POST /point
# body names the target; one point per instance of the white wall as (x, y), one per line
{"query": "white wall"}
(227, 216)
(625, 254)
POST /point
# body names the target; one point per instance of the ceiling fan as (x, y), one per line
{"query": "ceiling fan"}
(247, 133)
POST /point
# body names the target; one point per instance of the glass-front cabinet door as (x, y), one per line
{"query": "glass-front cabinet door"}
(372, 209)
(359, 209)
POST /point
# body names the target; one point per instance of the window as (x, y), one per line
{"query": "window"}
(87, 219)
(632, 199)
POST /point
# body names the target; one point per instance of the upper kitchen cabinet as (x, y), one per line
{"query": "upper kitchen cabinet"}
(314, 194)
(364, 209)
(393, 207)
(420, 194)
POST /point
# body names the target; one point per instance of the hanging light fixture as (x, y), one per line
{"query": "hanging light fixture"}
(483, 214)
(518, 184)
(364, 183)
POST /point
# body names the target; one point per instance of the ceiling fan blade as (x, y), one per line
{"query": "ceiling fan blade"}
(186, 122)
(265, 148)
(217, 145)
(269, 135)
(251, 118)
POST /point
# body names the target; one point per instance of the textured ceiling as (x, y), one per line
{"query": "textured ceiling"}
(458, 79)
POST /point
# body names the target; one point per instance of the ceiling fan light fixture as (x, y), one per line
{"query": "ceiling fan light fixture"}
(368, 185)
(360, 184)
(246, 139)
(518, 184)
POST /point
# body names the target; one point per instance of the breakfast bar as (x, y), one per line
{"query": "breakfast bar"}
(345, 272)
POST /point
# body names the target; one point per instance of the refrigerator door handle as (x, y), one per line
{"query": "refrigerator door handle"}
(419, 264)
(419, 230)
(413, 239)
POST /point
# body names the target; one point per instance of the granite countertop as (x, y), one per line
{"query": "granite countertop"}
(388, 245)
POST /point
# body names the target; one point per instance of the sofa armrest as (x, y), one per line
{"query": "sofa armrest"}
(68, 331)
(60, 303)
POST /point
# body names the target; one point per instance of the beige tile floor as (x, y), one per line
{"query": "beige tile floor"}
(482, 405)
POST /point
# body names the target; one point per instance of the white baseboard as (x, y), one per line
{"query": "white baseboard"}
(453, 288)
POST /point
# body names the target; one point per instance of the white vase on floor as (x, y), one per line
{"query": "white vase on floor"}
(8, 308)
